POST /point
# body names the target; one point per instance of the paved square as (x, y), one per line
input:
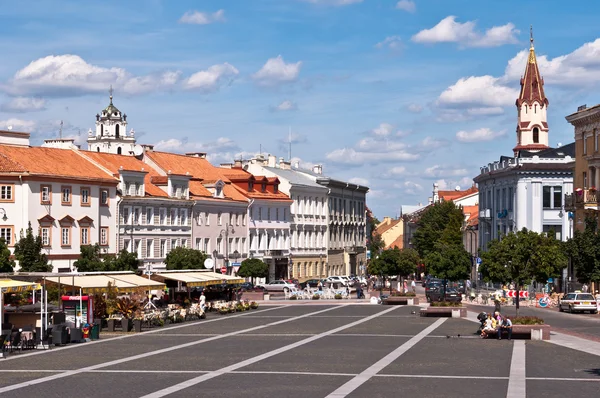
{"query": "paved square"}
(307, 349)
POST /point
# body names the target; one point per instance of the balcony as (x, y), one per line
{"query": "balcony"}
(587, 198)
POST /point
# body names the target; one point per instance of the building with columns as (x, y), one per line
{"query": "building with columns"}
(308, 215)
(526, 190)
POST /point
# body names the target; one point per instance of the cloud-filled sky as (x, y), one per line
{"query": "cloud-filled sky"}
(395, 95)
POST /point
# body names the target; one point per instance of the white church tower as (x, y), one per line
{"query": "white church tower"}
(532, 124)
(111, 132)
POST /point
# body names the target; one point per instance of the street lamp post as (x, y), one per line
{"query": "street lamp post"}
(215, 253)
(226, 254)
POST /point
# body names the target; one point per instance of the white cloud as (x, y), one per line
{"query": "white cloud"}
(24, 104)
(285, 106)
(202, 18)
(350, 156)
(396, 171)
(213, 78)
(359, 181)
(20, 125)
(429, 143)
(275, 71)
(374, 144)
(70, 75)
(437, 171)
(406, 5)
(414, 108)
(393, 43)
(447, 185)
(412, 188)
(334, 2)
(477, 91)
(450, 31)
(222, 144)
(482, 134)
(383, 130)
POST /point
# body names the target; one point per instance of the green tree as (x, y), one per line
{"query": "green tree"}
(185, 258)
(7, 264)
(89, 259)
(28, 251)
(585, 253)
(408, 260)
(253, 268)
(124, 261)
(450, 262)
(386, 264)
(522, 257)
(441, 222)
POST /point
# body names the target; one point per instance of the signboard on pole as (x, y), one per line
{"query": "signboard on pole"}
(223, 270)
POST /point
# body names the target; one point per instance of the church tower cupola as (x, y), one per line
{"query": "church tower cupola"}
(532, 104)
(111, 132)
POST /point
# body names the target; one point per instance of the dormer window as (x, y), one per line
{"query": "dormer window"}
(264, 187)
(218, 191)
(250, 186)
(276, 188)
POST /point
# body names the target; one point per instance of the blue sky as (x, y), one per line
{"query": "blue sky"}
(392, 94)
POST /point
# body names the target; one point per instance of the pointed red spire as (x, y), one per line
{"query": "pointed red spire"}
(532, 84)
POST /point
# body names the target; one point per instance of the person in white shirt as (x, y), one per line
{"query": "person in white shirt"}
(202, 301)
(413, 285)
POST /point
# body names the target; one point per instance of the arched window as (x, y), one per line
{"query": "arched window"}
(118, 150)
(98, 149)
(117, 131)
(101, 130)
(536, 135)
(535, 108)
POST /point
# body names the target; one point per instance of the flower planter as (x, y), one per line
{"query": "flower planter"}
(126, 324)
(253, 296)
(110, 325)
(137, 325)
(400, 300)
(449, 312)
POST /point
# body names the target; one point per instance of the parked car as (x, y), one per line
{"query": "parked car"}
(338, 279)
(249, 286)
(313, 283)
(436, 294)
(582, 302)
(278, 286)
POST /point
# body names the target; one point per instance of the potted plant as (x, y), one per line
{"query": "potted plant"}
(138, 318)
(253, 305)
(579, 191)
(223, 310)
(294, 297)
(127, 308)
(593, 189)
(316, 296)
(338, 296)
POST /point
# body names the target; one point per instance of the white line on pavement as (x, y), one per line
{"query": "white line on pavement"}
(372, 370)
(516, 379)
(126, 336)
(192, 382)
(156, 352)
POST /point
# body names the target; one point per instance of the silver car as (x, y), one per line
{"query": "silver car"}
(278, 286)
(581, 302)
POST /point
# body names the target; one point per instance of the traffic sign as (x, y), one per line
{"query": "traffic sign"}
(513, 293)
(223, 270)
(478, 261)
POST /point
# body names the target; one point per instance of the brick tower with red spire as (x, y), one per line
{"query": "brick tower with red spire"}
(532, 125)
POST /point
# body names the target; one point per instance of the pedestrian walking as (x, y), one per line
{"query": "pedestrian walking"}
(584, 288)
(413, 285)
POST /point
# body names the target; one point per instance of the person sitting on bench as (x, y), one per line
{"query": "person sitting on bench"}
(506, 325)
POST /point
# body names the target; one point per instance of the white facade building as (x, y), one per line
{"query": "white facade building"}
(308, 221)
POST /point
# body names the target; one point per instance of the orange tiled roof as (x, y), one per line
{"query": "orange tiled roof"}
(181, 164)
(399, 242)
(197, 189)
(453, 195)
(41, 161)
(473, 212)
(114, 162)
(384, 227)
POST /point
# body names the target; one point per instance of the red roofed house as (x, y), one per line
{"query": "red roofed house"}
(391, 232)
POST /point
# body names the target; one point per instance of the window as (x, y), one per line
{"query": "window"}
(277, 214)
(260, 213)
(149, 248)
(46, 194)
(126, 215)
(7, 234)
(243, 247)
(552, 197)
(556, 228)
(206, 248)
(85, 235)
(65, 197)
(163, 247)
(595, 140)
(184, 243)
(150, 215)
(6, 193)
(163, 216)
(584, 144)
(127, 245)
(220, 219)
(104, 236)
(84, 194)
(510, 198)
(137, 215)
(584, 179)
(137, 247)
(268, 214)
(237, 219)
(184, 217)
(104, 197)
(138, 189)
(173, 216)
(198, 243)
(65, 236)
(173, 244)
(219, 241)
(243, 219)
(536, 135)
(557, 197)
(284, 214)
(230, 218)
(45, 233)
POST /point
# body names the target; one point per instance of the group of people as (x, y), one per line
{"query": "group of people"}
(495, 324)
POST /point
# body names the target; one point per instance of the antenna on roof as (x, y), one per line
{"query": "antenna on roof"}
(60, 130)
(260, 149)
(290, 144)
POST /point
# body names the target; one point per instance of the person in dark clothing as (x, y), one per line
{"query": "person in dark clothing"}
(358, 287)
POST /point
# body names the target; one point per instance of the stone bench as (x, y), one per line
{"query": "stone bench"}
(533, 332)
(400, 300)
(450, 312)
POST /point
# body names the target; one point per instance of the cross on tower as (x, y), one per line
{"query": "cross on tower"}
(110, 91)
(531, 35)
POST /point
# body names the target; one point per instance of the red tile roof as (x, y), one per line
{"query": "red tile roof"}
(532, 84)
(453, 195)
(399, 243)
(384, 227)
(50, 162)
(114, 163)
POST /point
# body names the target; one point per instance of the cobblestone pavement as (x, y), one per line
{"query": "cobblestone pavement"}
(316, 350)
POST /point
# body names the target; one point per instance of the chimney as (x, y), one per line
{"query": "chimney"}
(284, 165)
(237, 163)
(201, 155)
(226, 165)
(272, 161)
(318, 169)
(387, 220)
(148, 147)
